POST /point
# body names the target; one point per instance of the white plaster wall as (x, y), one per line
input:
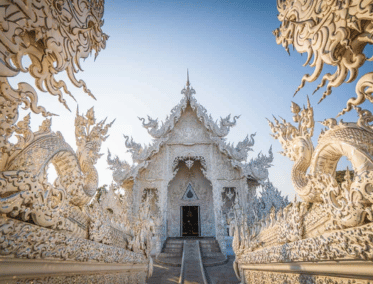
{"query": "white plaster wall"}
(202, 188)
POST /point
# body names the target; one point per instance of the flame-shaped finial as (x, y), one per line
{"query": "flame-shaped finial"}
(188, 91)
(187, 83)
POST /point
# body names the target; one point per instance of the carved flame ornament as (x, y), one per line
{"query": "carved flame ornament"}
(331, 33)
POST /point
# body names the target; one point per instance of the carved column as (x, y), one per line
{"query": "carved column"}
(136, 195)
(162, 229)
(158, 239)
(219, 228)
(244, 191)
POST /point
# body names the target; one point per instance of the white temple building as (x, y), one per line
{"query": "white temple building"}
(189, 173)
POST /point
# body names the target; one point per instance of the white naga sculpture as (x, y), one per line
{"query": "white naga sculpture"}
(327, 237)
(350, 203)
(61, 221)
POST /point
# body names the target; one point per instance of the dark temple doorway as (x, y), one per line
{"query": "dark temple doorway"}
(190, 221)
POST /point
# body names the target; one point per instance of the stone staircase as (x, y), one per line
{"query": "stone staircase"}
(172, 252)
(211, 254)
(173, 247)
(210, 247)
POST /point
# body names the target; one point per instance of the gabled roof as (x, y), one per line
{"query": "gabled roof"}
(217, 131)
(221, 130)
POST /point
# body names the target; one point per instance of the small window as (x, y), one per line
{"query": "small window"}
(189, 193)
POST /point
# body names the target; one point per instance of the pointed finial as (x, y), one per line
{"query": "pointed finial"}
(187, 83)
(188, 91)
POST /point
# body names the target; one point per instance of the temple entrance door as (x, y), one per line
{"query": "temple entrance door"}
(190, 221)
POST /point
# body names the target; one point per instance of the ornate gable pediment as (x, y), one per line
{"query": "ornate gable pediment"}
(190, 194)
(189, 129)
(214, 128)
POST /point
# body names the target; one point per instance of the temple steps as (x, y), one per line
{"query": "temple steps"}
(191, 256)
(173, 248)
(211, 254)
(210, 248)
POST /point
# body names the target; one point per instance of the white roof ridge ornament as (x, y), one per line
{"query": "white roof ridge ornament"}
(188, 91)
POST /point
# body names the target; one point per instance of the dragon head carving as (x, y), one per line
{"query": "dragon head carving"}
(134, 148)
(331, 32)
(258, 167)
(89, 137)
(246, 144)
(296, 141)
(297, 146)
(120, 168)
(227, 123)
(153, 123)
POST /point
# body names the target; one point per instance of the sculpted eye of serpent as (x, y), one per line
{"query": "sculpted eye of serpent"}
(369, 188)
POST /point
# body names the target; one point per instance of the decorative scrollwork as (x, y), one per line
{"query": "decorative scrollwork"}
(24, 194)
(333, 33)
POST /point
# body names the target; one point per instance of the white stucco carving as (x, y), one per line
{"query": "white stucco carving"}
(331, 34)
(61, 223)
(333, 222)
(190, 148)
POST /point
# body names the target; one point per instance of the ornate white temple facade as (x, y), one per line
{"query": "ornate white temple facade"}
(190, 175)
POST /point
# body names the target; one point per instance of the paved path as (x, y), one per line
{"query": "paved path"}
(164, 274)
(221, 274)
(193, 274)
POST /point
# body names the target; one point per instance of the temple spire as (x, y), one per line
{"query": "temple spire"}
(187, 83)
(188, 92)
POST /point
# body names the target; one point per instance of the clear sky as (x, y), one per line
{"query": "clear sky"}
(234, 63)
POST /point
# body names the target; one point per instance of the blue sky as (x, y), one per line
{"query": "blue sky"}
(234, 63)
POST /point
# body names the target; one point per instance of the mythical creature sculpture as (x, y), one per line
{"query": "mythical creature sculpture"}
(352, 140)
(120, 168)
(331, 221)
(333, 33)
(140, 153)
(89, 142)
(55, 35)
(23, 180)
(237, 152)
(261, 204)
(297, 145)
(258, 167)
